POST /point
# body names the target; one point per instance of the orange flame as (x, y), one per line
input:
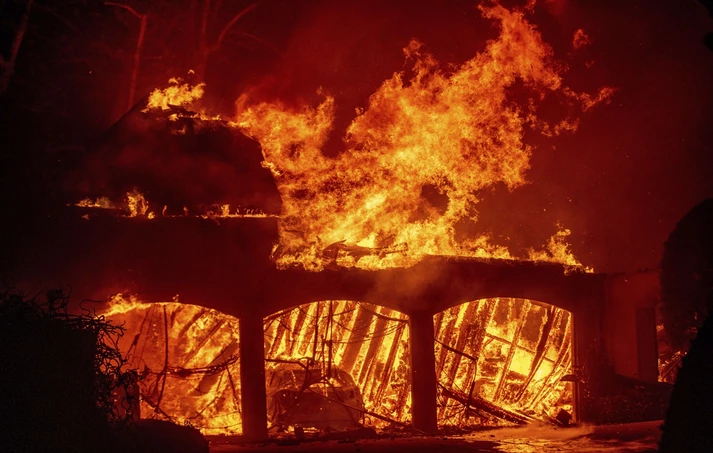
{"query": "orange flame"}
(178, 93)
(511, 353)
(187, 359)
(454, 132)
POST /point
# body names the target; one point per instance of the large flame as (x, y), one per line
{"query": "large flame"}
(416, 158)
(451, 132)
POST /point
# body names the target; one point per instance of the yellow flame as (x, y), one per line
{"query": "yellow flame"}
(453, 132)
(138, 206)
(187, 359)
(487, 349)
(178, 93)
(101, 202)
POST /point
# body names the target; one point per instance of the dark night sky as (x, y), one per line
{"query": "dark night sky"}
(620, 183)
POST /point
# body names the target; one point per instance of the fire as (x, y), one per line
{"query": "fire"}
(178, 93)
(501, 361)
(187, 359)
(367, 342)
(498, 361)
(416, 158)
(453, 132)
(101, 202)
(558, 251)
(136, 204)
(415, 163)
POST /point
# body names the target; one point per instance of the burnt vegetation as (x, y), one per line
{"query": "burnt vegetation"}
(687, 306)
(65, 386)
(687, 275)
(59, 375)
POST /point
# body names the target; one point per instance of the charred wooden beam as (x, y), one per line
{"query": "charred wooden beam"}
(480, 405)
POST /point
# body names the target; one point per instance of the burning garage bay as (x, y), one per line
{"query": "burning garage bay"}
(405, 188)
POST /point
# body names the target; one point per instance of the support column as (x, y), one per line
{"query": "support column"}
(252, 378)
(423, 373)
(590, 362)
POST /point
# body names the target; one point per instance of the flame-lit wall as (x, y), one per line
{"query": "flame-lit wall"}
(630, 338)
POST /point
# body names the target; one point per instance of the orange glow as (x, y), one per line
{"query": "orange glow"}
(187, 358)
(454, 132)
(365, 341)
(500, 361)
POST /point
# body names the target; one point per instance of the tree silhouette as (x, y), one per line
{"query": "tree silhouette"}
(687, 275)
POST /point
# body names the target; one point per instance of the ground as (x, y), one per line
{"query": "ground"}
(629, 438)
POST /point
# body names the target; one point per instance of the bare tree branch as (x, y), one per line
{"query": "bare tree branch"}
(143, 19)
(126, 7)
(60, 18)
(218, 42)
(7, 67)
(261, 41)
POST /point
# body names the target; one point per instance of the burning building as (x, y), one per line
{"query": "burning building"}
(264, 285)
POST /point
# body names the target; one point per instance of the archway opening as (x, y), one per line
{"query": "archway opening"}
(187, 360)
(504, 361)
(337, 365)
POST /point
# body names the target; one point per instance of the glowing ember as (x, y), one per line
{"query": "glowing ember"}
(187, 359)
(501, 361)
(367, 343)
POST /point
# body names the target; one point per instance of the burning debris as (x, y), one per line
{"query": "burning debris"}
(343, 341)
(187, 361)
(503, 360)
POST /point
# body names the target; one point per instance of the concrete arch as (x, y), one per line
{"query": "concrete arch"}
(173, 343)
(519, 334)
(438, 283)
